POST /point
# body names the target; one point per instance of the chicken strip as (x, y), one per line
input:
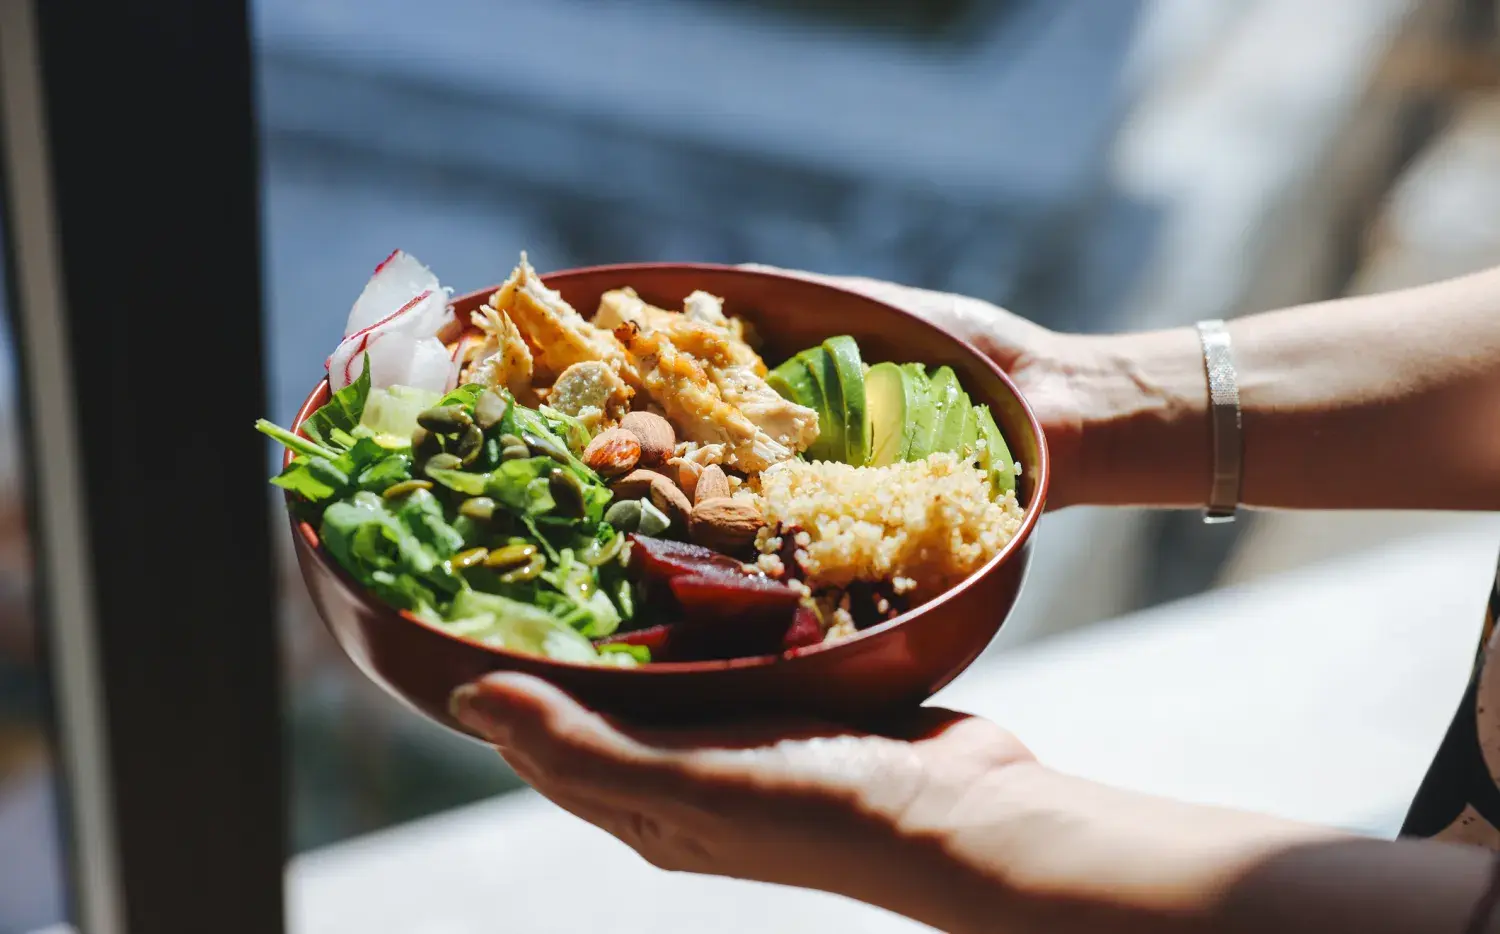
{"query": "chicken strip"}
(677, 382)
(701, 329)
(557, 335)
(501, 357)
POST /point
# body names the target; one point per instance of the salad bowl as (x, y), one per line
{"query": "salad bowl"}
(896, 663)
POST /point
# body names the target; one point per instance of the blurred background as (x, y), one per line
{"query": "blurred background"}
(1097, 166)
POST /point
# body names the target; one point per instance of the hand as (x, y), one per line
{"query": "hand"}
(1045, 364)
(861, 814)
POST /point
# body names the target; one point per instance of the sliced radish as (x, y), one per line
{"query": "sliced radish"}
(415, 321)
(431, 366)
(396, 281)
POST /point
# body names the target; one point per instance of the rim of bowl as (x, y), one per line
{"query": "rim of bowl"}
(1033, 509)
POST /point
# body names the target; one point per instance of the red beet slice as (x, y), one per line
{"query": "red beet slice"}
(721, 596)
(660, 558)
(804, 630)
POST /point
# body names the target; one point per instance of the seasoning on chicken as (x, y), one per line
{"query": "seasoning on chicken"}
(557, 335)
(701, 329)
(593, 393)
(677, 382)
(702, 332)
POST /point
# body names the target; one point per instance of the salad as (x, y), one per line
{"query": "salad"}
(636, 486)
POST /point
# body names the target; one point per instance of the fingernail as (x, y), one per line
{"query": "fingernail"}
(478, 712)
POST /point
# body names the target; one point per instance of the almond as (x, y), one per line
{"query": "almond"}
(671, 501)
(726, 525)
(613, 452)
(636, 484)
(712, 484)
(688, 472)
(658, 440)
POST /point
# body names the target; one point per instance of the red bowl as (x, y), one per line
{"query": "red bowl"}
(900, 662)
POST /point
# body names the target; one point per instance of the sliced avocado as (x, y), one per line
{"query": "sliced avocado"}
(830, 407)
(926, 418)
(952, 403)
(969, 445)
(843, 354)
(793, 381)
(894, 400)
(995, 458)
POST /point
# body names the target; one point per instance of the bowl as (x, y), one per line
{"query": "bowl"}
(898, 663)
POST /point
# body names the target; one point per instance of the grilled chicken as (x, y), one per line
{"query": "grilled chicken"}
(557, 335)
(501, 357)
(701, 329)
(679, 383)
(702, 332)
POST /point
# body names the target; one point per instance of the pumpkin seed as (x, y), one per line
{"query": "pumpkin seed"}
(624, 515)
(405, 487)
(424, 444)
(445, 419)
(653, 520)
(595, 554)
(444, 462)
(528, 571)
(511, 556)
(469, 558)
(478, 508)
(470, 443)
(567, 492)
(515, 452)
(546, 447)
(489, 409)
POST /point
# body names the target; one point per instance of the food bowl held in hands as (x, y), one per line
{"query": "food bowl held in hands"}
(899, 660)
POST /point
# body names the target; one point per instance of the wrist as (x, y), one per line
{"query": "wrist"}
(1145, 437)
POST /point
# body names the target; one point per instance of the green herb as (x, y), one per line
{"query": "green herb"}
(640, 654)
(342, 412)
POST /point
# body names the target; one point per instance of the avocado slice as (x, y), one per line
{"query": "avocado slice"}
(843, 354)
(794, 382)
(830, 407)
(968, 446)
(926, 418)
(952, 403)
(894, 400)
(995, 458)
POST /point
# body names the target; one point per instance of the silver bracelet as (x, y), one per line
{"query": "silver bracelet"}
(1224, 414)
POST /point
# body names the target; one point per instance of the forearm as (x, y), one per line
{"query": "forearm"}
(1389, 401)
(1040, 851)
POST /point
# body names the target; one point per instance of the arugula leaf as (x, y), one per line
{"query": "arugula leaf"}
(404, 591)
(640, 654)
(422, 513)
(385, 472)
(567, 427)
(460, 481)
(316, 479)
(518, 626)
(521, 485)
(342, 412)
(465, 395)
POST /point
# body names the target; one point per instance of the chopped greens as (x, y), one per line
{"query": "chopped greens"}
(512, 553)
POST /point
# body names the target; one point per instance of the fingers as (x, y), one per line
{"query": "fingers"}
(554, 743)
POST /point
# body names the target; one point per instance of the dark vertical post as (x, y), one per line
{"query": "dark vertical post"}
(131, 209)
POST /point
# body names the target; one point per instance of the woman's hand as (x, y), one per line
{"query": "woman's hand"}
(861, 814)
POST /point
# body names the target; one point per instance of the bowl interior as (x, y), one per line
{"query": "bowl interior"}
(790, 314)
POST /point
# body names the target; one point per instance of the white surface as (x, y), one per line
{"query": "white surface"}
(1318, 695)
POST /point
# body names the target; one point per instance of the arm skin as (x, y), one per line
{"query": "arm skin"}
(1379, 402)
(950, 821)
